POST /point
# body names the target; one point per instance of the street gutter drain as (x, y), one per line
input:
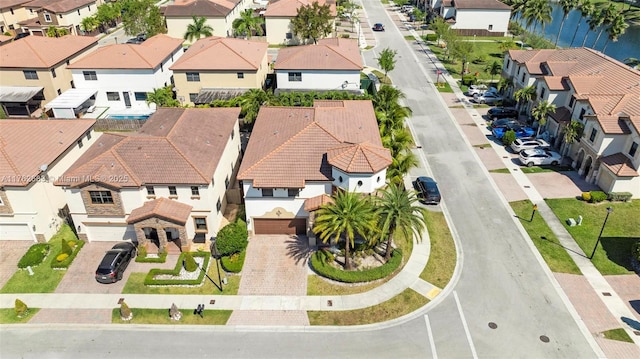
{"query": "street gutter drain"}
(606, 294)
(493, 325)
(527, 186)
(212, 301)
(544, 338)
(120, 300)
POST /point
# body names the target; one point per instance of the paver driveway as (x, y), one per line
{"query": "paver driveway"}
(10, 254)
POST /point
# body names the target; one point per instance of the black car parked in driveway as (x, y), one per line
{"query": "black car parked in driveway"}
(428, 191)
(505, 122)
(115, 261)
(501, 112)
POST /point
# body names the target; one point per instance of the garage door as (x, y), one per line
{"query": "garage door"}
(280, 226)
(15, 232)
(110, 233)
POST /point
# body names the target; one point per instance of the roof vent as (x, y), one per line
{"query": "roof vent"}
(208, 142)
(112, 165)
(60, 142)
(60, 131)
(100, 144)
(275, 132)
(161, 127)
(139, 147)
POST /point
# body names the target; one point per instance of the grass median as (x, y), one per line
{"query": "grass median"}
(161, 316)
(8, 316)
(442, 258)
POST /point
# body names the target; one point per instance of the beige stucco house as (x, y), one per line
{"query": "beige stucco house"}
(12, 12)
(219, 14)
(278, 17)
(215, 68)
(65, 14)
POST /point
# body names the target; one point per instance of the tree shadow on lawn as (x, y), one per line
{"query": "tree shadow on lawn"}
(618, 250)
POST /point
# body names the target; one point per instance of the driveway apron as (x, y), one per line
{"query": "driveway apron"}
(10, 254)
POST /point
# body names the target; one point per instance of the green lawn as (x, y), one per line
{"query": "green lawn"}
(622, 230)
(8, 316)
(383, 80)
(542, 169)
(444, 87)
(442, 258)
(617, 334)
(500, 170)
(490, 50)
(161, 316)
(543, 238)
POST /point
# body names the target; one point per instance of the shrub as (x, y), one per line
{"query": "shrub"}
(635, 251)
(34, 256)
(142, 256)
(620, 196)
(65, 263)
(61, 257)
(480, 59)
(190, 264)
(65, 247)
(469, 80)
(598, 196)
(20, 308)
(432, 37)
(323, 268)
(344, 36)
(125, 312)
(509, 137)
(234, 262)
(151, 280)
(586, 196)
(72, 243)
(232, 238)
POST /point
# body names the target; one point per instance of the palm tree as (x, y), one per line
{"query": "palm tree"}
(162, 97)
(540, 113)
(616, 29)
(386, 97)
(537, 11)
(247, 23)
(572, 131)
(506, 45)
(250, 103)
(608, 15)
(493, 69)
(504, 84)
(524, 95)
(349, 215)
(400, 213)
(198, 29)
(567, 6)
(401, 164)
(595, 21)
(89, 23)
(632, 62)
(587, 9)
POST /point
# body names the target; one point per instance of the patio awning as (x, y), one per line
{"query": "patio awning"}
(18, 93)
(209, 95)
(314, 203)
(165, 208)
(72, 98)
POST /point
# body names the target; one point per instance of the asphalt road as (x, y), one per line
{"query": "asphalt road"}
(500, 278)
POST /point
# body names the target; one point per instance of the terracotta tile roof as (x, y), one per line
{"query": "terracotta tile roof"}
(556, 83)
(327, 54)
(35, 51)
(620, 165)
(614, 125)
(289, 145)
(147, 55)
(168, 209)
(359, 158)
(175, 146)
(26, 145)
(314, 203)
(58, 6)
(561, 115)
(218, 53)
(206, 8)
(5, 4)
(289, 8)
(481, 4)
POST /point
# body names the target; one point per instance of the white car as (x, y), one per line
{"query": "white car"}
(487, 97)
(539, 157)
(528, 144)
(480, 89)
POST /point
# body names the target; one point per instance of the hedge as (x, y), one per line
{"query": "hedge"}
(598, 196)
(142, 256)
(67, 262)
(324, 269)
(34, 256)
(232, 238)
(150, 280)
(620, 196)
(234, 262)
(635, 250)
(432, 37)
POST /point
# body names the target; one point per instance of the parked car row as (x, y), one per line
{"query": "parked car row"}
(539, 156)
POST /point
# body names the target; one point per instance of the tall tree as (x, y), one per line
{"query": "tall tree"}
(142, 17)
(250, 103)
(400, 213)
(586, 8)
(247, 23)
(608, 15)
(572, 131)
(387, 60)
(349, 215)
(537, 12)
(595, 21)
(540, 113)
(524, 96)
(616, 29)
(313, 22)
(89, 23)
(567, 6)
(197, 29)
(493, 69)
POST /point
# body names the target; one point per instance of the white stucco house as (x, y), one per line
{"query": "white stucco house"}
(476, 17)
(123, 74)
(599, 92)
(333, 64)
(219, 14)
(278, 15)
(298, 156)
(164, 185)
(33, 154)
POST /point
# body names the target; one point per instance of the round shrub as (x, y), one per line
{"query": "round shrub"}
(234, 262)
(65, 247)
(72, 243)
(232, 238)
(586, 196)
(321, 266)
(20, 308)
(125, 312)
(598, 196)
(190, 264)
(34, 256)
(61, 257)
(508, 137)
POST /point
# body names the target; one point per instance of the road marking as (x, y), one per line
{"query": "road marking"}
(464, 324)
(430, 334)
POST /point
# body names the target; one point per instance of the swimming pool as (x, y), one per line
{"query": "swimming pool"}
(128, 117)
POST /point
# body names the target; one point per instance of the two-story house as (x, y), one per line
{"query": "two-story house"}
(278, 16)
(219, 14)
(216, 67)
(165, 184)
(298, 156)
(123, 74)
(601, 93)
(333, 64)
(36, 62)
(477, 17)
(12, 12)
(33, 154)
(62, 14)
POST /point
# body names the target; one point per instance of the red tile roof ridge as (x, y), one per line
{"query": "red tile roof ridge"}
(123, 162)
(135, 48)
(6, 155)
(37, 53)
(183, 155)
(235, 52)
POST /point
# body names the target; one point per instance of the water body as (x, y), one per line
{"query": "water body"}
(628, 44)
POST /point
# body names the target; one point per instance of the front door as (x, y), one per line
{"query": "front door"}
(127, 100)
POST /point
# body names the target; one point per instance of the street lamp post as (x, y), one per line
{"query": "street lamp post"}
(216, 255)
(609, 210)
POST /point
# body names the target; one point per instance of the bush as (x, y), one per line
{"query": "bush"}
(65, 247)
(598, 196)
(619, 196)
(480, 59)
(321, 266)
(151, 280)
(586, 196)
(635, 251)
(34, 256)
(344, 36)
(432, 37)
(72, 243)
(232, 238)
(65, 263)
(125, 312)
(190, 264)
(20, 308)
(509, 137)
(234, 262)
(469, 80)
(142, 256)
(61, 257)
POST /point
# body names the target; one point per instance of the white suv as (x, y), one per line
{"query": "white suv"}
(539, 157)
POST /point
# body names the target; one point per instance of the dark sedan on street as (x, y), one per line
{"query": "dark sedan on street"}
(114, 262)
(428, 191)
(378, 27)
